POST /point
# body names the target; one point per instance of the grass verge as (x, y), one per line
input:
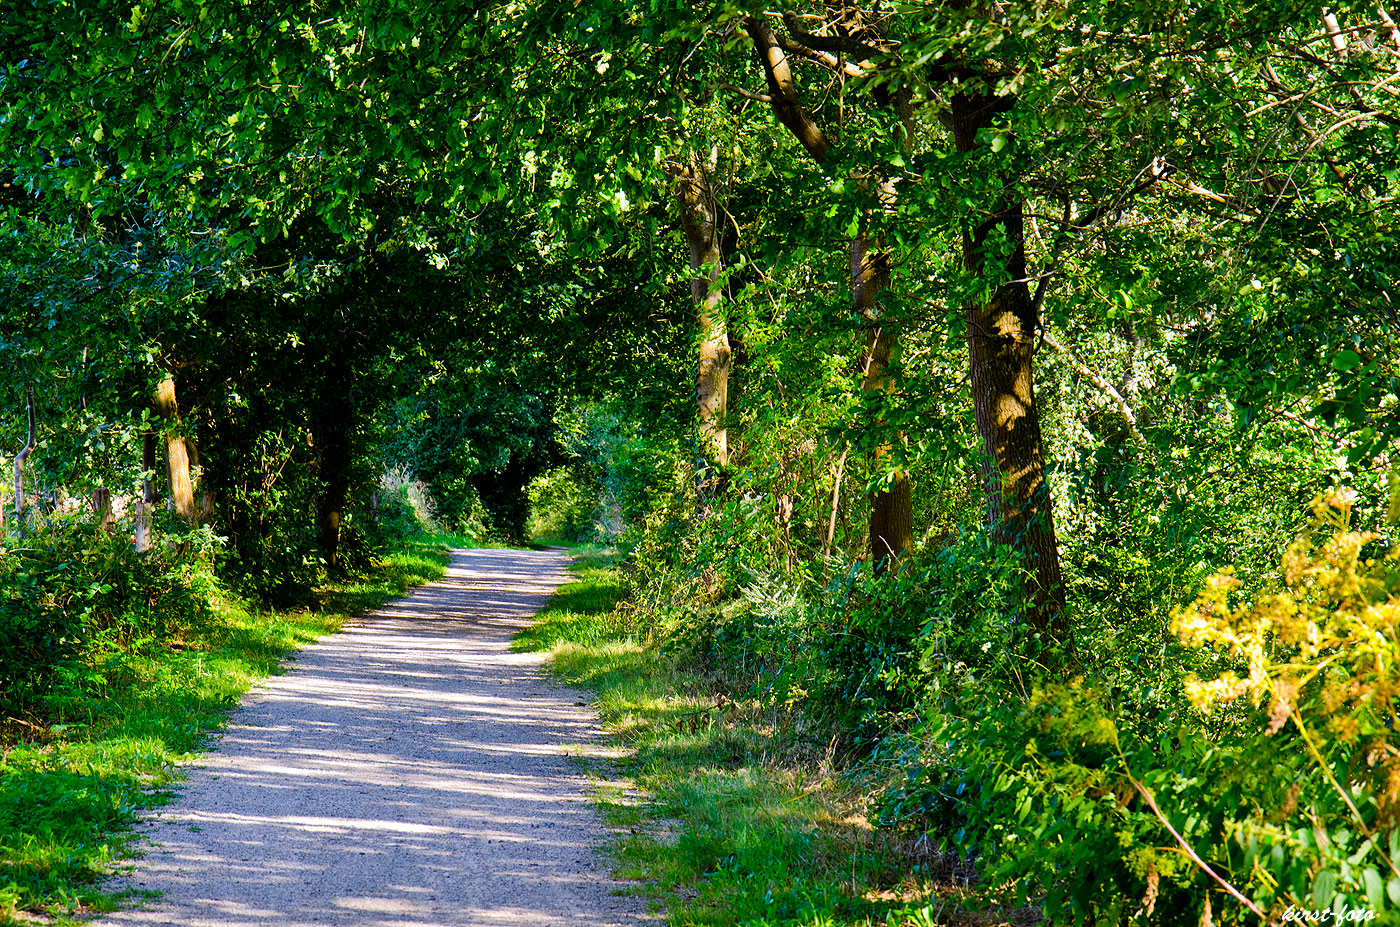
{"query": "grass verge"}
(746, 818)
(69, 792)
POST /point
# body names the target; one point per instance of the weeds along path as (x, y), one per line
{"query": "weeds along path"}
(410, 771)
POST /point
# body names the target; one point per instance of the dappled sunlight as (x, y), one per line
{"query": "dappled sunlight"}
(410, 771)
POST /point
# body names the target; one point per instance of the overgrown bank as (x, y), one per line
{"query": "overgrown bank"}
(907, 772)
(752, 811)
(130, 662)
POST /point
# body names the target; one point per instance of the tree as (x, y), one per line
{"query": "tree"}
(891, 507)
(1001, 342)
(700, 218)
(177, 453)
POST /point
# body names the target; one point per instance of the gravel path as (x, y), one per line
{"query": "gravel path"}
(410, 771)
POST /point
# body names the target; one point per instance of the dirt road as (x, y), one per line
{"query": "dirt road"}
(410, 771)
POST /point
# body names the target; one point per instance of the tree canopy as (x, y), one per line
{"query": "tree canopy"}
(1025, 319)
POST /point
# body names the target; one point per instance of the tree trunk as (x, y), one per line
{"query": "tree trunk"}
(892, 508)
(331, 512)
(335, 423)
(177, 453)
(102, 508)
(699, 217)
(204, 499)
(20, 458)
(146, 506)
(1001, 337)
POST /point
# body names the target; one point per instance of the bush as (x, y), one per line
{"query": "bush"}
(859, 650)
(395, 520)
(69, 589)
(1282, 782)
(35, 639)
(279, 568)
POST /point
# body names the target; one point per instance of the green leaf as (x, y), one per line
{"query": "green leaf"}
(1324, 889)
(1374, 888)
(1346, 360)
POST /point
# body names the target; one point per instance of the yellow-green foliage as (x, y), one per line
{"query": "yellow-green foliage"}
(1267, 786)
(1323, 651)
(1323, 654)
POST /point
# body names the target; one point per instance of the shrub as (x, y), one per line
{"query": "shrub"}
(35, 638)
(69, 588)
(1280, 787)
(395, 519)
(1322, 664)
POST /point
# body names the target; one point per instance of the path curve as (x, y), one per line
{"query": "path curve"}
(410, 771)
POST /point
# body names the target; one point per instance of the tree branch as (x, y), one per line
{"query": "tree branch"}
(21, 457)
(840, 44)
(1129, 417)
(1276, 85)
(1195, 858)
(747, 94)
(1157, 170)
(783, 90)
(1334, 34)
(849, 68)
(1391, 28)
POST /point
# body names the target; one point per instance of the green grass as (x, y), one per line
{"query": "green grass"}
(448, 539)
(744, 816)
(69, 794)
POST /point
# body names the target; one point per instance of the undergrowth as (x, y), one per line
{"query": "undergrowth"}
(108, 743)
(749, 816)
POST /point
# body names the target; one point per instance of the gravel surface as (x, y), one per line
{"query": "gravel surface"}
(410, 771)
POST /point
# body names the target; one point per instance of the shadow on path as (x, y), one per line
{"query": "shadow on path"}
(410, 771)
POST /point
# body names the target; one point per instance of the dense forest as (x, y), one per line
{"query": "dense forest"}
(1008, 390)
